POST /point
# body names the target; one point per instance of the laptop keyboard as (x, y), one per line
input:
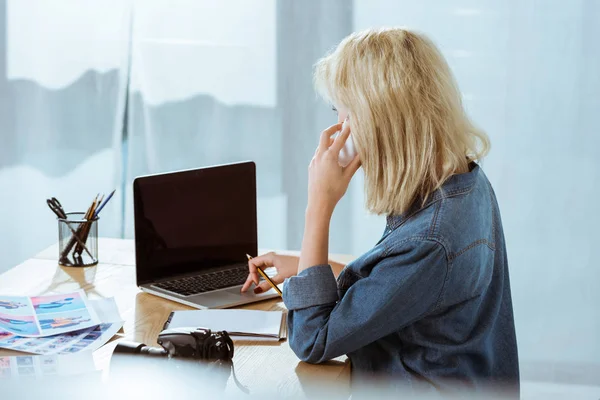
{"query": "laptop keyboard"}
(206, 282)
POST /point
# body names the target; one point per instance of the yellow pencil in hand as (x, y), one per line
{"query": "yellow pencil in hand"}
(264, 275)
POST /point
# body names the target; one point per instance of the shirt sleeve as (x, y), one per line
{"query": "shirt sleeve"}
(402, 288)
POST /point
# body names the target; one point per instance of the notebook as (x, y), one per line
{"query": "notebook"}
(240, 324)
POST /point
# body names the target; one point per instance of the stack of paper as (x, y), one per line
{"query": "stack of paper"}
(240, 324)
(41, 366)
(58, 324)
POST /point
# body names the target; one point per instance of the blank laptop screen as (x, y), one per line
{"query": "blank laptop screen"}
(193, 221)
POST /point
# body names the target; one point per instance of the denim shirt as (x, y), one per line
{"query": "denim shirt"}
(429, 304)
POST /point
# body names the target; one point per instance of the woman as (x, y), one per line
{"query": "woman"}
(430, 303)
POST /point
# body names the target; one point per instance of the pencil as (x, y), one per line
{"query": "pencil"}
(265, 276)
(88, 214)
(85, 228)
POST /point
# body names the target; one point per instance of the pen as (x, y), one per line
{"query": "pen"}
(101, 206)
(262, 273)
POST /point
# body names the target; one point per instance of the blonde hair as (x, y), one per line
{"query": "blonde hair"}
(406, 114)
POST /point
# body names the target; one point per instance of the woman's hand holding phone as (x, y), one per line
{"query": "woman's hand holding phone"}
(327, 183)
(327, 179)
(348, 152)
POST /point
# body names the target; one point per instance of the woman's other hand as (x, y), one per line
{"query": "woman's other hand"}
(327, 180)
(286, 266)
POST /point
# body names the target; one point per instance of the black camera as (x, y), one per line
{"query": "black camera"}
(190, 362)
(195, 343)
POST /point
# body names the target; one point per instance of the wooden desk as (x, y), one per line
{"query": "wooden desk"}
(279, 369)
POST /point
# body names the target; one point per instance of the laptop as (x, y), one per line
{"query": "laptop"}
(193, 230)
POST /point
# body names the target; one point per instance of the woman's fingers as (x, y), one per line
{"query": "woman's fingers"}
(264, 285)
(326, 136)
(261, 286)
(264, 261)
(248, 283)
(351, 168)
(328, 145)
(340, 140)
(252, 278)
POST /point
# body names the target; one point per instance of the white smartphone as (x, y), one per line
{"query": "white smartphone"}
(348, 152)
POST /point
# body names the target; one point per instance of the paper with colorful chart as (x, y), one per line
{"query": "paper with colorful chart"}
(40, 316)
(88, 339)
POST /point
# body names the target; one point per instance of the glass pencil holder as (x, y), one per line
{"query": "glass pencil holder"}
(77, 240)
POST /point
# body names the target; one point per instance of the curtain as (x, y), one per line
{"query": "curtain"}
(203, 93)
(219, 82)
(62, 94)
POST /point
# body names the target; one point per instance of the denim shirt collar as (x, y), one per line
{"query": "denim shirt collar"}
(456, 184)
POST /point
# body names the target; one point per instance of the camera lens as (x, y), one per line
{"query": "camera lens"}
(127, 347)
